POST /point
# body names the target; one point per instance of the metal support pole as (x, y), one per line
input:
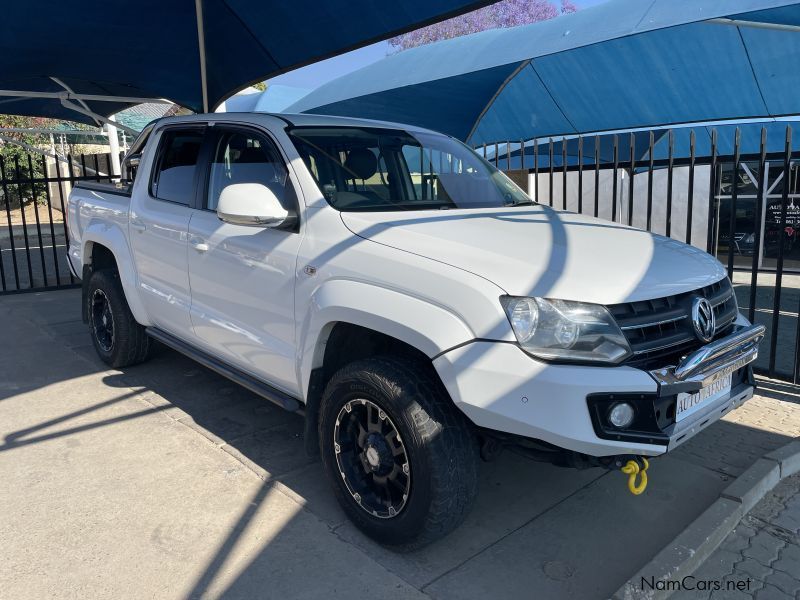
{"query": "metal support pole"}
(34, 149)
(671, 163)
(15, 95)
(712, 193)
(630, 185)
(690, 186)
(776, 306)
(733, 201)
(67, 104)
(113, 144)
(597, 175)
(762, 190)
(201, 47)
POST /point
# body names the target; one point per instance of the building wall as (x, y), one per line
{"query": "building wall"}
(680, 198)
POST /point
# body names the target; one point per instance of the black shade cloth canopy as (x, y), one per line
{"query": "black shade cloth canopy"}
(621, 65)
(83, 59)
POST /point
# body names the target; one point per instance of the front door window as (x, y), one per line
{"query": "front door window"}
(241, 157)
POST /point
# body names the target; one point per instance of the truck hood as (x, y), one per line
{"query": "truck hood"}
(539, 251)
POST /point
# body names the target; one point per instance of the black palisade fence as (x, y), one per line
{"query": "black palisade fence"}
(736, 196)
(33, 220)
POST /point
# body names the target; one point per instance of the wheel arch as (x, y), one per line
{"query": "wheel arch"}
(340, 344)
(349, 320)
(107, 247)
(420, 323)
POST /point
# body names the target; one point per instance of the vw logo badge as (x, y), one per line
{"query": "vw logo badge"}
(703, 319)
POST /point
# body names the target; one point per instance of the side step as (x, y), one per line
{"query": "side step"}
(247, 381)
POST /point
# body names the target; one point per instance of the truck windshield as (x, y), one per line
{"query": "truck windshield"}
(372, 169)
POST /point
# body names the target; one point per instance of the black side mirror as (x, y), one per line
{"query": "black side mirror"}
(131, 165)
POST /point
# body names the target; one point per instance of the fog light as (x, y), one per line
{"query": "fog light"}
(621, 415)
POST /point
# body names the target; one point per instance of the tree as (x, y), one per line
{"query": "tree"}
(19, 165)
(506, 13)
(15, 159)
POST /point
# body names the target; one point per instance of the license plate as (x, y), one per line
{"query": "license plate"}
(691, 403)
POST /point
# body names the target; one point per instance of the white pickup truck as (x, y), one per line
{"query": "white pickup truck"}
(412, 302)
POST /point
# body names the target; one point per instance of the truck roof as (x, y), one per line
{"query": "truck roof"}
(300, 120)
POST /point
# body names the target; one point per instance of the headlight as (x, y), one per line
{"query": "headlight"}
(566, 330)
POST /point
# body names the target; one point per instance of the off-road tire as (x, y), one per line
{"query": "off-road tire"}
(439, 440)
(130, 344)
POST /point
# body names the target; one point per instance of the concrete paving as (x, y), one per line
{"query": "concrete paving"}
(760, 558)
(166, 480)
(36, 261)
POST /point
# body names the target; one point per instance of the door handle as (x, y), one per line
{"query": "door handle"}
(137, 225)
(199, 245)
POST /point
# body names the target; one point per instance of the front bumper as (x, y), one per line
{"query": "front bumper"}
(499, 387)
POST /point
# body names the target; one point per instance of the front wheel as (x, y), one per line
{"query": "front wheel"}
(403, 461)
(118, 339)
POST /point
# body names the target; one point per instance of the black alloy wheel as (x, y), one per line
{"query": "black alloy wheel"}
(118, 339)
(102, 320)
(372, 459)
(401, 458)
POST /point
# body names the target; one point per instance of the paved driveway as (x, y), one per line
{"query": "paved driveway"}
(167, 481)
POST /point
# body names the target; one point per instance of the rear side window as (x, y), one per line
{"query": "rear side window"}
(174, 177)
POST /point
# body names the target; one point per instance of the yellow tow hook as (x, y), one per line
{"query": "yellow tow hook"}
(632, 469)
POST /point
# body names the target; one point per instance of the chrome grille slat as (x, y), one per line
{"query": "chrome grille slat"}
(660, 330)
(664, 347)
(719, 302)
(722, 325)
(653, 323)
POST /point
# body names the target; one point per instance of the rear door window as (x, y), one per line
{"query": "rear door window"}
(174, 177)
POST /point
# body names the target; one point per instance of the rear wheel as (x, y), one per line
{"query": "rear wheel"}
(118, 339)
(402, 459)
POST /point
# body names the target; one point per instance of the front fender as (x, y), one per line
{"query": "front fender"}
(428, 327)
(113, 237)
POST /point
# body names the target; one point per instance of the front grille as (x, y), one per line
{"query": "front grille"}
(660, 331)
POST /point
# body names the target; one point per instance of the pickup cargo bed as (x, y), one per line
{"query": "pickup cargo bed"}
(105, 186)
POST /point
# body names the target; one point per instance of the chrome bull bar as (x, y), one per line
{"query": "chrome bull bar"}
(714, 360)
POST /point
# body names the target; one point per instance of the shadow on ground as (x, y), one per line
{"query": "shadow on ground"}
(536, 529)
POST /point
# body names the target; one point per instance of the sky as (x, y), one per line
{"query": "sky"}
(315, 75)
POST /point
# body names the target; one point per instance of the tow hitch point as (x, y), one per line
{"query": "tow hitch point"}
(636, 466)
